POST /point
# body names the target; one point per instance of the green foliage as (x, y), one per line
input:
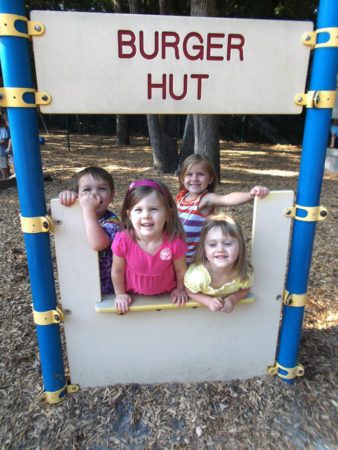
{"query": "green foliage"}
(71, 5)
(269, 9)
(264, 9)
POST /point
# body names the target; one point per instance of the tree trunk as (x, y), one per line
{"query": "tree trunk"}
(164, 146)
(207, 138)
(206, 130)
(163, 129)
(135, 6)
(187, 146)
(122, 129)
(166, 7)
(122, 120)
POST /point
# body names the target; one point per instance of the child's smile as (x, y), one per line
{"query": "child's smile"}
(221, 250)
(148, 217)
(197, 179)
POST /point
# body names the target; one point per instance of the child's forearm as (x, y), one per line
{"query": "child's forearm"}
(97, 238)
(238, 198)
(180, 267)
(180, 278)
(237, 296)
(117, 277)
(203, 299)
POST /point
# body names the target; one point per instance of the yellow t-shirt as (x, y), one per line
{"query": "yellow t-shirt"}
(197, 279)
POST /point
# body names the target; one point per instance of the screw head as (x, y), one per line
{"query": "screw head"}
(37, 28)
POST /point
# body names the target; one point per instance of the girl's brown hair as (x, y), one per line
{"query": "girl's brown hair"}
(140, 189)
(229, 227)
(196, 158)
(97, 173)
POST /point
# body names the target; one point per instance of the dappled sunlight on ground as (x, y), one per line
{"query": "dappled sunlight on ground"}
(261, 412)
(274, 172)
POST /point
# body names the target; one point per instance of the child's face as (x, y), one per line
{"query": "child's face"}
(148, 217)
(221, 250)
(197, 178)
(97, 188)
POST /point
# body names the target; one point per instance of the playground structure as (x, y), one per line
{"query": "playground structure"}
(160, 342)
(36, 225)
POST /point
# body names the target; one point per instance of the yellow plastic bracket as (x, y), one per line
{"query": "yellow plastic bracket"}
(51, 317)
(313, 213)
(310, 39)
(14, 98)
(316, 99)
(42, 224)
(290, 373)
(55, 397)
(297, 300)
(7, 26)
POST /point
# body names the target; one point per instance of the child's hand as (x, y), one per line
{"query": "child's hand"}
(67, 198)
(259, 191)
(122, 302)
(89, 201)
(215, 304)
(179, 297)
(229, 304)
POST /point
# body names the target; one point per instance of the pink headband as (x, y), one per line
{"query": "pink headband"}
(148, 183)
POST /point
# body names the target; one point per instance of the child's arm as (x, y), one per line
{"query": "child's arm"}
(178, 295)
(231, 300)
(96, 236)
(67, 198)
(122, 299)
(213, 303)
(234, 198)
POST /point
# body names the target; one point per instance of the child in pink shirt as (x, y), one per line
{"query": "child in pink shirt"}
(149, 255)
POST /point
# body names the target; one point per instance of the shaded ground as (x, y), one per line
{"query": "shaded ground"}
(259, 413)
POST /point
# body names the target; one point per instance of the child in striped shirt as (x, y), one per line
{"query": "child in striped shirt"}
(196, 199)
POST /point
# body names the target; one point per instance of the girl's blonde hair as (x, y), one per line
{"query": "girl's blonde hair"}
(196, 158)
(140, 189)
(229, 227)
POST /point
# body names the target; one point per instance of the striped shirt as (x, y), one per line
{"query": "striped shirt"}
(192, 220)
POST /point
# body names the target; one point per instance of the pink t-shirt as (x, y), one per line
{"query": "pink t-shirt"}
(148, 274)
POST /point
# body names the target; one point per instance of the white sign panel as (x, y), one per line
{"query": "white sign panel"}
(122, 63)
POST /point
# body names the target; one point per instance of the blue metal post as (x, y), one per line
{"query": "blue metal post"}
(315, 139)
(16, 69)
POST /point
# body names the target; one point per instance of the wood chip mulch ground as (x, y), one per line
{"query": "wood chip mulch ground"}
(260, 413)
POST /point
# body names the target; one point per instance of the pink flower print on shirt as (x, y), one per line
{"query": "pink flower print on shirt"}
(166, 254)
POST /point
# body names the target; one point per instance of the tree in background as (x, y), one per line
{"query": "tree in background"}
(206, 131)
(163, 128)
(122, 120)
